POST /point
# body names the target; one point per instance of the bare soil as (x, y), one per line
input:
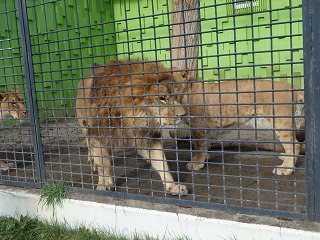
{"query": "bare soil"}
(238, 173)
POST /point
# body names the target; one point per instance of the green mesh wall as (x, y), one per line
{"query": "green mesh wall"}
(263, 38)
(11, 68)
(68, 36)
(142, 29)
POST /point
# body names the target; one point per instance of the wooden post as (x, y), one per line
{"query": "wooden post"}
(185, 35)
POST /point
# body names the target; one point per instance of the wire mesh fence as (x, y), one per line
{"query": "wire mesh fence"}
(185, 102)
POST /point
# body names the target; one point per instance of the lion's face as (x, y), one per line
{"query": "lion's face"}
(12, 104)
(163, 106)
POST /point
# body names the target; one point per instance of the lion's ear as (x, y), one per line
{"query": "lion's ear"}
(15, 89)
(94, 67)
(182, 73)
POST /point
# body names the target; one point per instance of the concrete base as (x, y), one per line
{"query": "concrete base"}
(131, 220)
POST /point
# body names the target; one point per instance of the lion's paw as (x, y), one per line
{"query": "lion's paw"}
(179, 190)
(194, 166)
(282, 171)
(104, 188)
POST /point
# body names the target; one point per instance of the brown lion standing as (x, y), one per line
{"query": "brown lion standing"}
(125, 104)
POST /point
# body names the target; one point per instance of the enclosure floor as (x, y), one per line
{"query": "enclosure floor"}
(240, 175)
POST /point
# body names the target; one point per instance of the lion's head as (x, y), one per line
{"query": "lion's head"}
(133, 94)
(11, 103)
(151, 99)
(158, 107)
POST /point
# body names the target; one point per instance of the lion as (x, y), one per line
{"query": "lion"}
(11, 104)
(126, 104)
(221, 105)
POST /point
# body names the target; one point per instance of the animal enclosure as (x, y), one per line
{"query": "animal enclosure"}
(208, 104)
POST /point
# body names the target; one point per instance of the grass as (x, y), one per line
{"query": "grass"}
(53, 194)
(33, 229)
(26, 228)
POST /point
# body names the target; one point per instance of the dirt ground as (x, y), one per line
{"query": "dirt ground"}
(238, 174)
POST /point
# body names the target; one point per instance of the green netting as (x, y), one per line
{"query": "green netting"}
(68, 36)
(261, 44)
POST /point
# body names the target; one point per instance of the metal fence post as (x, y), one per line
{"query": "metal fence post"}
(311, 30)
(31, 91)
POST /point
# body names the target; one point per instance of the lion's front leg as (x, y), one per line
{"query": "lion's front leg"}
(200, 153)
(102, 161)
(159, 163)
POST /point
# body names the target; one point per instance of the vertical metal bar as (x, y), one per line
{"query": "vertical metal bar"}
(31, 90)
(311, 35)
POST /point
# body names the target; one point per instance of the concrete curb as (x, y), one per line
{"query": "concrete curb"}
(129, 220)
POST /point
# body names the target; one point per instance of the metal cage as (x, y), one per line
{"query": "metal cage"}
(114, 98)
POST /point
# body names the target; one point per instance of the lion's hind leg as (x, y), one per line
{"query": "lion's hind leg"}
(93, 159)
(84, 129)
(292, 148)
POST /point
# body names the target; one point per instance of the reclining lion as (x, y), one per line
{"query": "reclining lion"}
(125, 104)
(229, 103)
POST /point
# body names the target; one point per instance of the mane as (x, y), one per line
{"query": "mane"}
(127, 74)
(120, 70)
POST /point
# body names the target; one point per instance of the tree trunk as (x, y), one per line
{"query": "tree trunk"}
(185, 35)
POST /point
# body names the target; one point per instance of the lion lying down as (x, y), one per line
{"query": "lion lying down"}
(11, 104)
(216, 106)
(125, 105)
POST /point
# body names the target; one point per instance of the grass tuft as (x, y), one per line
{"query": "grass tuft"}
(53, 194)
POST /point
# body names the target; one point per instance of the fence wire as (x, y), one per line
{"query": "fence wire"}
(108, 111)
